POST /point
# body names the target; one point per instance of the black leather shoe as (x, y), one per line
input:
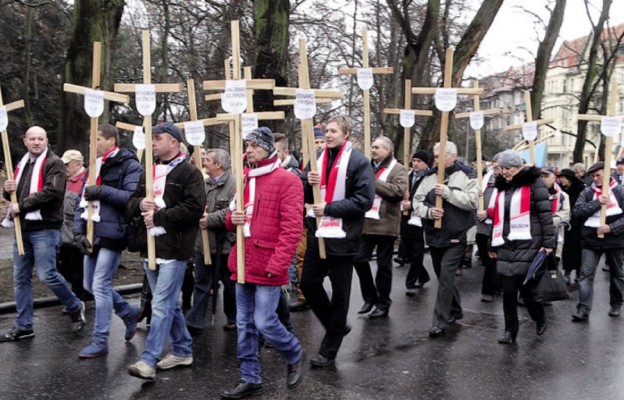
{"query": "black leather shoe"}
(366, 308)
(541, 328)
(379, 313)
(614, 312)
(243, 389)
(508, 338)
(320, 361)
(455, 318)
(436, 332)
(580, 316)
(296, 372)
(299, 305)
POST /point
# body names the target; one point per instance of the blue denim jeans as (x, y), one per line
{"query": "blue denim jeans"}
(255, 313)
(40, 249)
(167, 318)
(589, 262)
(99, 269)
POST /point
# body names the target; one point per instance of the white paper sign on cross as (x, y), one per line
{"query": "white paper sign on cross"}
(94, 107)
(145, 99)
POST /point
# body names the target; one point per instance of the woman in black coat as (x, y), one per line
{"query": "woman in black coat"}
(520, 196)
(571, 255)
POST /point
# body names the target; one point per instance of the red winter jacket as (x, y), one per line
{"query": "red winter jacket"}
(276, 227)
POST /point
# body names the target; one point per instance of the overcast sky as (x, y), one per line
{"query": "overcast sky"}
(513, 38)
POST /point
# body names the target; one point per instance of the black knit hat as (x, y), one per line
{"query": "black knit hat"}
(263, 137)
(422, 156)
(568, 173)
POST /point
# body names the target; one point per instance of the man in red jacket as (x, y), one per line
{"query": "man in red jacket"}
(272, 224)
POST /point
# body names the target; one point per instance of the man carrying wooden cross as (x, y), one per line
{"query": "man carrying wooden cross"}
(40, 187)
(447, 245)
(173, 219)
(347, 193)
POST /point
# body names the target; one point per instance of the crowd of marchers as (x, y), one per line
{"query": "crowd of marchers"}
(300, 224)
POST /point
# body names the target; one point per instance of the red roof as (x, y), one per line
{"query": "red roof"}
(570, 52)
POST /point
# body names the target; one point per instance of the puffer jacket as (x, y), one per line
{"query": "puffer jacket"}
(514, 258)
(359, 194)
(459, 203)
(119, 178)
(391, 192)
(185, 198)
(276, 227)
(49, 200)
(586, 206)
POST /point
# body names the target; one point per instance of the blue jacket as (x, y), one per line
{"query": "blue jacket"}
(119, 177)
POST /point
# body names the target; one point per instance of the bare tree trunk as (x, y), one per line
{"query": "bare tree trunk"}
(27, 66)
(92, 21)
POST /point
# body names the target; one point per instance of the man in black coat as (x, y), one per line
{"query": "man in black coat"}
(347, 191)
(587, 211)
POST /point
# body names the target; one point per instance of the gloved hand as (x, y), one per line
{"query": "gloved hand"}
(82, 243)
(93, 192)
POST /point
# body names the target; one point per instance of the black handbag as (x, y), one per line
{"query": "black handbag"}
(550, 286)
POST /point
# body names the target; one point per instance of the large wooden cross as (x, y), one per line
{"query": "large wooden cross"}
(610, 125)
(476, 122)
(95, 98)
(4, 121)
(147, 125)
(450, 95)
(529, 128)
(365, 81)
(407, 125)
(307, 124)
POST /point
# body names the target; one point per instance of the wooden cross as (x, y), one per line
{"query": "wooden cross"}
(477, 109)
(448, 71)
(121, 98)
(529, 120)
(616, 126)
(132, 128)
(407, 140)
(307, 125)
(366, 92)
(147, 125)
(197, 155)
(9, 168)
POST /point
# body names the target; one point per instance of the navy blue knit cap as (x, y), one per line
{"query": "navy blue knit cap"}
(263, 137)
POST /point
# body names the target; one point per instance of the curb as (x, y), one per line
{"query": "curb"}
(50, 301)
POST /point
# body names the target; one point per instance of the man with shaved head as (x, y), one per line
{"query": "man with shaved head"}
(40, 188)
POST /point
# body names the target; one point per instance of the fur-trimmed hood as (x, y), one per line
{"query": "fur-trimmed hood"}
(526, 176)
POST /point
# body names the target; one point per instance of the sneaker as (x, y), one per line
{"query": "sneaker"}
(487, 298)
(143, 370)
(17, 334)
(614, 312)
(131, 322)
(171, 361)
(78, 319)
(93, 350)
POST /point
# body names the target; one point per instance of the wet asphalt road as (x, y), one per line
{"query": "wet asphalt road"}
(384, 359)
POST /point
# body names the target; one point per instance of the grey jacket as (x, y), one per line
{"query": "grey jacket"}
(218, 198)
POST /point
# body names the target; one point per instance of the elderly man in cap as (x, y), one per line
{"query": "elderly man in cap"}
(172, 217)
(69, 258)
(272, 223)
(40, 187)
(587, 211)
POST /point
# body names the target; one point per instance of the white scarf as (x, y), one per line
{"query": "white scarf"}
(382, 175)
(36, 183)
(160, 172)
(95, 216)
(519, 215)
(613, 208)
(331, 227)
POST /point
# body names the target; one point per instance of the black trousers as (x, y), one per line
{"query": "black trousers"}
(415, 246)
(69, 263)
(490, 283)
(511, 286)
(332, 313)
(446, 260)
(377, 292)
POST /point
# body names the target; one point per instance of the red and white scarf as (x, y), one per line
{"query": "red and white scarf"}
(382, 175)
(95, 216)
(160, 172)
(519, 215)
(249, 193)
(333, 189)
(613, 208)
(36, 184)
(556, 201)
